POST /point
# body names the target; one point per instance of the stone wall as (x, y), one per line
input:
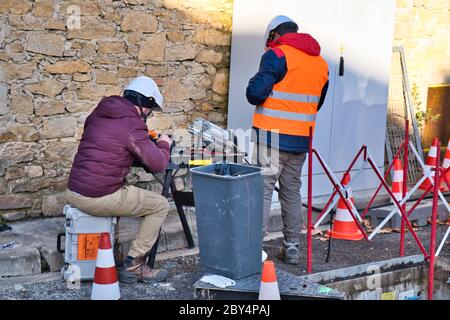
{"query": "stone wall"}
(59, 58)
(52, 74)
(423, 29)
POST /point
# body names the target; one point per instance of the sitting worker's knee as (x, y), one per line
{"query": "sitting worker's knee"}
(162, 206)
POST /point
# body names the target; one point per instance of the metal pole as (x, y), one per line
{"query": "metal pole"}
(309, 222)
(448, 230)
(433, 224)
(405, 177)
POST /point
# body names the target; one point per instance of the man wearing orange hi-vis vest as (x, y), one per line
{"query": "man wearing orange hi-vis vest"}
(288, 91)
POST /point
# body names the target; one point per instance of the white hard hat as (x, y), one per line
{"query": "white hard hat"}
(147, 87)
(275, 22)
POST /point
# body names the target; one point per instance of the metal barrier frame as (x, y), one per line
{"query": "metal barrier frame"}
(400, 205)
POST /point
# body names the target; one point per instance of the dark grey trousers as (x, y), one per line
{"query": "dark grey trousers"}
(285, 168)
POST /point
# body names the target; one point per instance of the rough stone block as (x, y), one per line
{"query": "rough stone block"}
(111, 47)
(12, 71)
(105, 77)
(139, 21)
(221, 80)
(212, 37)
(209, 56)
(48, 44)
(22, 104)
(175, 92)
(181, 51)
(52, 257)
(53, 205)
(153, 48)
(20, 261)
(3, 99)
(59, 127)
(92, 30)
(68, 67)
(49, 88)
(15, 202)
(15, 6)
(50, 108)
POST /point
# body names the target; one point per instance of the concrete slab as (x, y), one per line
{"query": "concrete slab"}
(291, 287)
(11, 282)
(16, 262)
(418, 216)
(401, 278)
(35, 241)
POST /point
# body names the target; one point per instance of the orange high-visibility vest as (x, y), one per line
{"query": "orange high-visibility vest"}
(291, 108)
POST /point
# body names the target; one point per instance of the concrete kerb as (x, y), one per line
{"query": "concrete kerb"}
(35, 251)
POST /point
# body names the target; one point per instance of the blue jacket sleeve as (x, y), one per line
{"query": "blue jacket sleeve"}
(272, 70)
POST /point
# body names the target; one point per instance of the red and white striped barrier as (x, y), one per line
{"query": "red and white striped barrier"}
(445, 165)
(397, 183)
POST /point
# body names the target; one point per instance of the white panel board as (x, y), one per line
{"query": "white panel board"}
(354, 112)
(360, 100)
(319, 19)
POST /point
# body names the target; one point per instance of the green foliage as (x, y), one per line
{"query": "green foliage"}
(422, 117)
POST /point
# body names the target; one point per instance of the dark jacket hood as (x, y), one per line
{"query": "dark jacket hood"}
(116, 107)
(301, 41)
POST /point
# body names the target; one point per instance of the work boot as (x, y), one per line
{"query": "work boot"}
(289, 252)
(136, 270)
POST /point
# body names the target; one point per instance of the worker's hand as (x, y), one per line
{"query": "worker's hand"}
(164, 137)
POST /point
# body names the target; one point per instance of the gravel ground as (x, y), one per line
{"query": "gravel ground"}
(185, 271)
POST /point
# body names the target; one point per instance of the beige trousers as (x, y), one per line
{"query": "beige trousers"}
(128, 201)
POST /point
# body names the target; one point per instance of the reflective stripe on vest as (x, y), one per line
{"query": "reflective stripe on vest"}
(294, 97)
(285, 114)
(291, 108)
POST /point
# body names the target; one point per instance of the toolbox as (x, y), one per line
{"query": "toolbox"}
(82, 234)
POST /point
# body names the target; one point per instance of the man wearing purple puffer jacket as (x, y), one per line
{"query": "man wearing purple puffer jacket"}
(115, 136)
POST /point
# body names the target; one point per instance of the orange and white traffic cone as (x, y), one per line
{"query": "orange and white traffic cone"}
(268, 289)
(445, 165)
(344, 226)
(431, 162)
(397, 183)
(106, 284)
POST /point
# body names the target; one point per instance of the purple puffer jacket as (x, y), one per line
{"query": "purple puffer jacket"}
(114, 136)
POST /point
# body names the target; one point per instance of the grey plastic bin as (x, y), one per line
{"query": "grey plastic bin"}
(229, 212)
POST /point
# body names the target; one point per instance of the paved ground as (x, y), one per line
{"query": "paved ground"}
(185, 271)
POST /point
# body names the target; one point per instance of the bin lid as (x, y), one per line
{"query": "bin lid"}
(228, 171)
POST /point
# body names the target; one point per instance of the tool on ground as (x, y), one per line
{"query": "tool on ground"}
(344, 225)
(268, 289)
(218, 281)
(106, 283)
(7, 245)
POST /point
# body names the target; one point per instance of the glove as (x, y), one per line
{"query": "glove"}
(164, 137)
